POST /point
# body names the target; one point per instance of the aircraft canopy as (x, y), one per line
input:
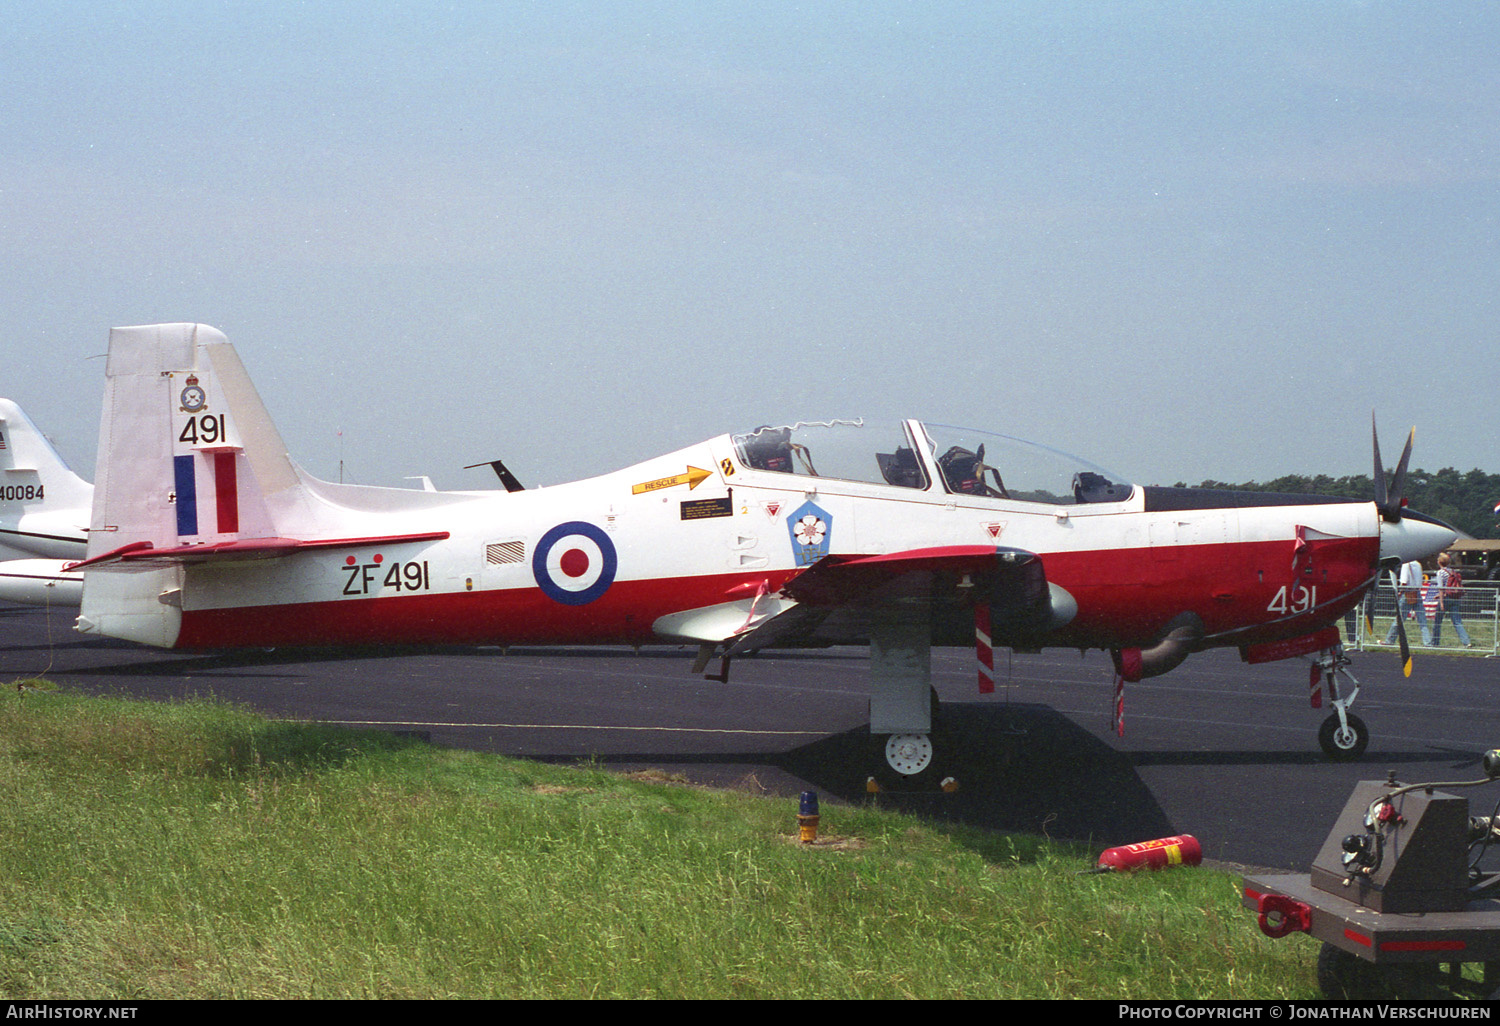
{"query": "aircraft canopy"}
(958, 461)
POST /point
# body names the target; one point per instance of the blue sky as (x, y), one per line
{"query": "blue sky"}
(1185, 240)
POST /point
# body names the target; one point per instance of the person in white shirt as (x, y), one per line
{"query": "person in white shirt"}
(1450, 586)
(1409, 596)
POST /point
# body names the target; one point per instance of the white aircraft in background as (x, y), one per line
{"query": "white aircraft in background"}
(205, 535)
(44, 515)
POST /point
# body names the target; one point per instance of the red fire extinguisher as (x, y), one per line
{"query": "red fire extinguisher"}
(1182, 850)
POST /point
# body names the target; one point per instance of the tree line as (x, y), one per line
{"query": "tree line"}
(1464, 500)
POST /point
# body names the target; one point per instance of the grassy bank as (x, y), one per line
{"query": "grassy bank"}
(197, 850)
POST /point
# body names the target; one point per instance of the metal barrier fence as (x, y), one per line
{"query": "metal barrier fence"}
(1478, 608)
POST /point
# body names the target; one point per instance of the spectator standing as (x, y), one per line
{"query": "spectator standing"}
(1409, 596)
(1450, 590)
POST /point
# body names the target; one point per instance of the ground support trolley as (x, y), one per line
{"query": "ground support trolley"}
(1398, 894)
(1368, 954)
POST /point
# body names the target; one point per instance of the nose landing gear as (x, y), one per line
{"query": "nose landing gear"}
(1343, 735)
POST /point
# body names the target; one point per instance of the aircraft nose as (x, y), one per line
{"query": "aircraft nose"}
(1414, 536)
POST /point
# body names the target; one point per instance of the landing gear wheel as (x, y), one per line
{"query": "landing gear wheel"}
(1340, 744)
(908, 754)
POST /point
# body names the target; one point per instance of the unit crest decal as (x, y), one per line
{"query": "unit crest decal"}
(811, 531)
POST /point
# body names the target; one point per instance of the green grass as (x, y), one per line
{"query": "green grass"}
(198, 851)
(1481, 628)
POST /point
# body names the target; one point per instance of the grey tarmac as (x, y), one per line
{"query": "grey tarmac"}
(1219, 749)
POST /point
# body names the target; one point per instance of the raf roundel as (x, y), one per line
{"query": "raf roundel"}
(574, 563)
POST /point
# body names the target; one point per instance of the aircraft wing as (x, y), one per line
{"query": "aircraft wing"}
(838, 580)
(842, 596)
(904, 602)
(144, 555)
(836, 598)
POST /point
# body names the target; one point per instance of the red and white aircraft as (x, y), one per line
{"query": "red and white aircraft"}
(206, 535)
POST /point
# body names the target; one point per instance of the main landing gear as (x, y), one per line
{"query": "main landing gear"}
(906, 748)
(909, 760)
(909, 763)
(1343, 735)
(909, 754)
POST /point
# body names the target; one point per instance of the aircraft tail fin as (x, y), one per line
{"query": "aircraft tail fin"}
(24, 448)
(188, 456)
(187, 453)
(43, 504)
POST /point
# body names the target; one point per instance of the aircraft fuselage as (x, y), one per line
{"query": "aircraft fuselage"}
(609, 561)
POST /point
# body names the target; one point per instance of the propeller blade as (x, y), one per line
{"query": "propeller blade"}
(1401, 628)
(1388, 500)
(1379, 478)
(1398, 483)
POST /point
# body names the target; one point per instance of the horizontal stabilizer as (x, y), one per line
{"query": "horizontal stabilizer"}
(40, 582)
(144, 555)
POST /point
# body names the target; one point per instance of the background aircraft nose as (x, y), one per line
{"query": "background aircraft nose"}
(1414, 536)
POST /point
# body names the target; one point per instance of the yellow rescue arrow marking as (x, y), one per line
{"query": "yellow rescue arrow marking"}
(693, 478)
